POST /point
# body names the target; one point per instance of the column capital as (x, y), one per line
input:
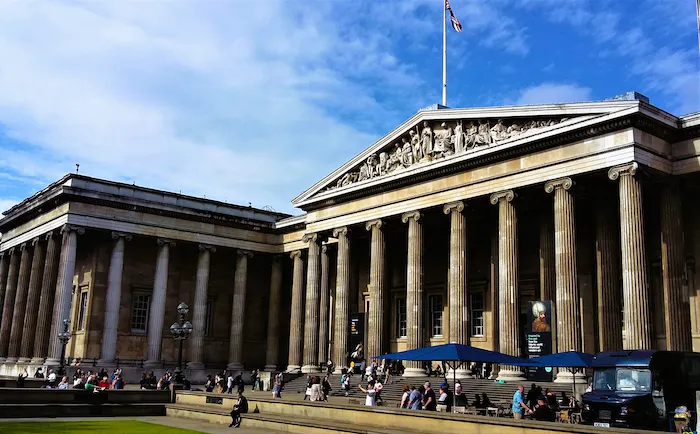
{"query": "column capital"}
(36, 240)
(337, 232)
(116, 235)
(47, 236)
(23, 246)
(310, 238)
(452, 206)
(507, 195)
(565, 183)
(410, 215)
(206, 247)
(163, 241)
(295, 254)
(625, 169)
(241, 252)
(72, 228)
(370, 224)
(324, 248)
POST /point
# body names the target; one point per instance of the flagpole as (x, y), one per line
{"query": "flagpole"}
(444, 54)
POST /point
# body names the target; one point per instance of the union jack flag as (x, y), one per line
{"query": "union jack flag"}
(455, 22)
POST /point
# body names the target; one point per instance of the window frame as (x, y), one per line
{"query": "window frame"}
(83, 303)
(134, 295)
(434, 314)
(398, 320)
(473, 316)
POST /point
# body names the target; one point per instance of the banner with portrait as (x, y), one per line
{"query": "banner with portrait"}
(356, 339)
(539, 337)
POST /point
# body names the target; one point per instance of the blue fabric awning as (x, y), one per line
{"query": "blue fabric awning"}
(568, 359)
(458, 352)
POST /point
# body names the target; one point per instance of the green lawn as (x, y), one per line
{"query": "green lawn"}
(114, 427)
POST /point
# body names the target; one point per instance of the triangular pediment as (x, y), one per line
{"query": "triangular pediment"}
(434, 138)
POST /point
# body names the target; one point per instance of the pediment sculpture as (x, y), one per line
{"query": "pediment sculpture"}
(432, 141)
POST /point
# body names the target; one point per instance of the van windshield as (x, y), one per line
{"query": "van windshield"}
(622, 379)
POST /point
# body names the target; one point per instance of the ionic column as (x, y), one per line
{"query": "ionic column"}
(156, 314)
(199, 316)
(296, 320)
(46, 299)
(635, 282)
(457, 278)
(64, 289)
(113, 299)
(235, 348)
(607, 271)
(313, 280)
(273, 319)
(342, 296)
(509, 312)
(414, 291)
(375, 334)
(30, 312)
(9, 302)
(676, 300)
(548, 276)
(25, 266)
(4, 267)
(567, 296)
(324, 308)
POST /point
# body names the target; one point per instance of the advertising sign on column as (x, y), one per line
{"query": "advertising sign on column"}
(356, 340)
(539, 338)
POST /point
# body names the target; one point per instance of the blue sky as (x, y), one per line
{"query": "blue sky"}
(254, 101)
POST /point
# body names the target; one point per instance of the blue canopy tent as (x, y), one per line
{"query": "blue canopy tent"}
(458, 353)
(567, 359)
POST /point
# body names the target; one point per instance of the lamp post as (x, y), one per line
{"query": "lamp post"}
(63, 338)
(181, 330)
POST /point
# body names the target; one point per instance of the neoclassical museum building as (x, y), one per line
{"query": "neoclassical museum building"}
(444, 230)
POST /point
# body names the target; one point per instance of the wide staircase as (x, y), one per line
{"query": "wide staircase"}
(304, 417)
(391, 393)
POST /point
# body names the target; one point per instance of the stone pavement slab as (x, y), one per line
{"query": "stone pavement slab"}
(195, 425)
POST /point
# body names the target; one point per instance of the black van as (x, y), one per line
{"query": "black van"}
(641, 389)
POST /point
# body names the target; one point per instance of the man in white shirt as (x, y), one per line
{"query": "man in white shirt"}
(52, 378)
(229, 384)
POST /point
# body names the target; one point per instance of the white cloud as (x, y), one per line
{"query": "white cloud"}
(6, 204)
(547, 93)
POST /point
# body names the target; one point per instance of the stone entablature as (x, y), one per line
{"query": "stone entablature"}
(548, 126)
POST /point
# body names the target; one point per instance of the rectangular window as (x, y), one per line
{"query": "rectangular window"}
(436, 307)
(476, 313)
(401, 317)
(82, 314)
(209, 319)
(139, 312)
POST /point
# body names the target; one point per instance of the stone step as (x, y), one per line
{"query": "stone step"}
(271, 422)
(80, 410)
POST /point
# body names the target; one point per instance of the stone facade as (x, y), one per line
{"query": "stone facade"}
(442, 231)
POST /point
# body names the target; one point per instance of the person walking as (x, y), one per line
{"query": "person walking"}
(415, 399)
(229, 383)
(277, 387)
(240, 407)
(429, 402)
(519, 407)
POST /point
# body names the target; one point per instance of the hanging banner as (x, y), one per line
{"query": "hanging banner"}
(356, 339)
(538, 339)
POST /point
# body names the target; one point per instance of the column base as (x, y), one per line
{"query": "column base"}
(11, 360)
(195, 365)
(50, 361)
(270, 368)
(460, 374)
(37, 360)
(338, 370)
(508, 375)
(310, 369)
(567, 377)
(293, 369)
(195, 376)
(2, 360)
(152, 364)
(413, 372)
(24, 360)
(106, 363)
(234, 366)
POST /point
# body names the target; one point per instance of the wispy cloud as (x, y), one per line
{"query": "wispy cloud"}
(547, 93)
